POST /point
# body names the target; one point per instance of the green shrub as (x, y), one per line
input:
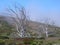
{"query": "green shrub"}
(1, 40)
(51, 35)
(33, 44)
(37, 42)
(4, 37)
(42, 37)
(28, 40)
(12, 44)
(49, 43)
(2, 43)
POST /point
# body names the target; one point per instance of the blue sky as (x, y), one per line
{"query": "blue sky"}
(38, 10)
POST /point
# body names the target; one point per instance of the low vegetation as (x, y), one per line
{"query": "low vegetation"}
(6, 29)
(28, 42)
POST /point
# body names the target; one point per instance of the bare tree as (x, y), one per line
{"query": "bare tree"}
(20, 20)
(45, 27)
(47, 22)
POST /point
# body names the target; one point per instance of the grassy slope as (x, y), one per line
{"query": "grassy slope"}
(6, 29)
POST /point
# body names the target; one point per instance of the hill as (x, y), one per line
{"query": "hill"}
(36, 29)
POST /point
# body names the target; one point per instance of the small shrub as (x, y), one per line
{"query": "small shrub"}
(4, 37)
(12, 44)
(2, 43)
(33, 44)
(49, 43)
(28, 40)
(51, 35)
(41, 41)
(42, 37)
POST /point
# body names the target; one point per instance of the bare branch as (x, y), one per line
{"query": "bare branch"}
(20, 20)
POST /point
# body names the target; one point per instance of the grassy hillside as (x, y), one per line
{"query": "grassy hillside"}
(5, 29)
(34, 28)
(53, 31)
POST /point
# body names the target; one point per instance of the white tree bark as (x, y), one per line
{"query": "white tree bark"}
(20, 20)
(46, 32)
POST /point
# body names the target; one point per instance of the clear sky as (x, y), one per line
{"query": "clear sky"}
(38, 9)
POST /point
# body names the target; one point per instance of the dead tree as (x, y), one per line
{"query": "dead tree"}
(20, 20)
(45, 28)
